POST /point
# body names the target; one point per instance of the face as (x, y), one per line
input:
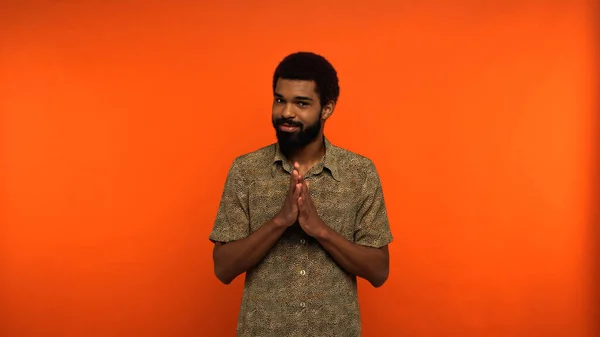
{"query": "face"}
(297, 113)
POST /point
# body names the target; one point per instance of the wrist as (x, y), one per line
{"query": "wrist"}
(324, 234)
(278, 222)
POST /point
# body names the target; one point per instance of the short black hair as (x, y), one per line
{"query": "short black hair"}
(312, 67)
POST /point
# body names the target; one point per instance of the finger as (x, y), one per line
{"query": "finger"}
(301, 207)
(297, 190)
(305, 195)
(307, 184)
(293, 179)
(305, 189)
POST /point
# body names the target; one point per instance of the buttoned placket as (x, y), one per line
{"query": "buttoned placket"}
(302, 272)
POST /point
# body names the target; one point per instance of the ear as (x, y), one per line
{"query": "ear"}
(328, 110)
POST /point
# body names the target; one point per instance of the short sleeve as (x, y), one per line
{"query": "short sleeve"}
(232, 220)
(372, 227)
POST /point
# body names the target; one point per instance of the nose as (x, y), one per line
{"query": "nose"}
(287, 111)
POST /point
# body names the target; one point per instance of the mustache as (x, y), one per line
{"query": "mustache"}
(290, 122)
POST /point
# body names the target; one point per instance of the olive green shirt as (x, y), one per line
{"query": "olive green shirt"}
(298, 289)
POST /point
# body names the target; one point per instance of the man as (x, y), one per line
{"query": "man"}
(301, 217)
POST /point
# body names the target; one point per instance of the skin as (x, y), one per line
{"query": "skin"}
(297, 100)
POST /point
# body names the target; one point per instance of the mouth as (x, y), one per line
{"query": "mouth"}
(288, 128)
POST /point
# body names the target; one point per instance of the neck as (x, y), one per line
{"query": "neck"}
(308, 155)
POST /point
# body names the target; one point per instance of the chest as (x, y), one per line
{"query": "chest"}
(337, 202)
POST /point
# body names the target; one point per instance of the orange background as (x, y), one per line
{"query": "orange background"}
(120, 120)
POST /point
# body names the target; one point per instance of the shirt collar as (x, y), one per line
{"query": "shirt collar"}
(329, 161)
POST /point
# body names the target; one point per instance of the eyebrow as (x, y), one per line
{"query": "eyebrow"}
(300, 98)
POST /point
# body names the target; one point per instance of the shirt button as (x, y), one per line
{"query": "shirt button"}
(302, 272)
(302, 241)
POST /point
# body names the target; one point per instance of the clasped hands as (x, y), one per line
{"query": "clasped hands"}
(298, 205)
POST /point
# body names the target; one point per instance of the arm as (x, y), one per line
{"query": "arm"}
(372, 264)
(236, 250)
(233, 258)
(368, 255)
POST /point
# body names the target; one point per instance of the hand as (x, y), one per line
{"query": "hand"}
(308, 217)
(288, 214)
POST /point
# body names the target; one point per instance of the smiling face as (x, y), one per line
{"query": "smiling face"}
(297, 113)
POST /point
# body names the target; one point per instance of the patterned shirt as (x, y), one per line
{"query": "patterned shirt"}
(298, 289)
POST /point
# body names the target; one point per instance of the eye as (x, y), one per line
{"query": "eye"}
(303, 104)
(278, 100)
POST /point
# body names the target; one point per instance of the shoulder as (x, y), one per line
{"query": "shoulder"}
(361, 172)
(353, 159)
(353, 164)
(254, 162)
(259, 156)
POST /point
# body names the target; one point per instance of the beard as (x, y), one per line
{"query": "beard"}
(290, 142)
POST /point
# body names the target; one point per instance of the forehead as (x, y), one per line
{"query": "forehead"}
(292, 88)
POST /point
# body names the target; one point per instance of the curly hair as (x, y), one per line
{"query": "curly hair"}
(310, 66)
